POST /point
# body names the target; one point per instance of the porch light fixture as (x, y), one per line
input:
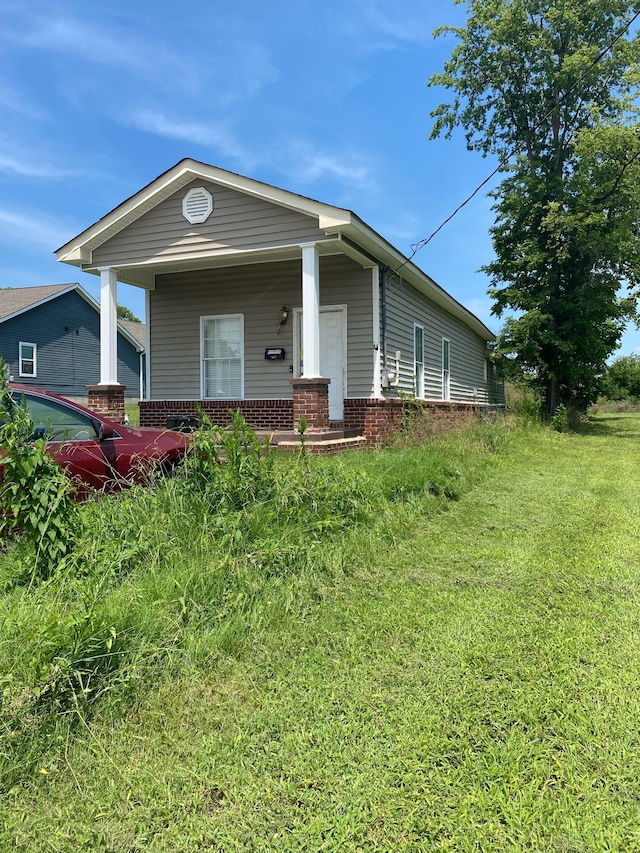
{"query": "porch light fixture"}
(284, 316)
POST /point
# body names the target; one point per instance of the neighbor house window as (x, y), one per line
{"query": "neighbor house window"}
(222, 351)
(418, 359)
(446, 374)
(28, 359)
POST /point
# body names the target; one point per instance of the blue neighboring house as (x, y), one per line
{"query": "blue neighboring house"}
(50, 338)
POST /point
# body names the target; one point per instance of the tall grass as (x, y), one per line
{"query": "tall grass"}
(187, 571)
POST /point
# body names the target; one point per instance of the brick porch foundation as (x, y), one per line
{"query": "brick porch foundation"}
(259, 414)
(108, 401)
(378, 418)
(311, 401)
(375, 419)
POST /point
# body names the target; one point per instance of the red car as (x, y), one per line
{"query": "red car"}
(98, 453)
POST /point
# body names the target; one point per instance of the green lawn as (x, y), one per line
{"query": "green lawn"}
(465, 678)
(133, 413)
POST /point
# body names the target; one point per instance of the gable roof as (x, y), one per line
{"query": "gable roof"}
(18, 300)
(15, 300)
(353, 235)
(136, 330)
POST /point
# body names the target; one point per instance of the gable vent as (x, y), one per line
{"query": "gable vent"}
(197, 205)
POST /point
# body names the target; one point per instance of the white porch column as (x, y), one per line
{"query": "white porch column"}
(377, 360)
(147, 355)
(108, 326)
(310, 311)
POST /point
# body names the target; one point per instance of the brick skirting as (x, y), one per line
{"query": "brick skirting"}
(378, 418)
(259, 414)
(375, 419)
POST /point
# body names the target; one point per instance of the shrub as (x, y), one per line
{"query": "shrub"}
(35, 492)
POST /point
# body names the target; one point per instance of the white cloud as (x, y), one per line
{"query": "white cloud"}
(252, 70)
(380, 25)
(12, 100)
(308, 165)
(37, 229)
(31, 167)
(402, 229)
(215, 135)
(98, 45)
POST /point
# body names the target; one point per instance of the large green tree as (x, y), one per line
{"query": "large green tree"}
(550, 88)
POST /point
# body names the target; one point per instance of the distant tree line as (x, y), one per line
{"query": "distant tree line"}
(622, 379)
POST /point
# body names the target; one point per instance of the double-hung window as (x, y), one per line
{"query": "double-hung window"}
(446, 370)
(222, 354)
(418, 359)
(28, 359)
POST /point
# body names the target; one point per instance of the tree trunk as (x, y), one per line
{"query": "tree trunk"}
(552, 397)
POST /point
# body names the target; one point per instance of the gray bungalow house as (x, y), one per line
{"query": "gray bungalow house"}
(50, 338)
(266, 301)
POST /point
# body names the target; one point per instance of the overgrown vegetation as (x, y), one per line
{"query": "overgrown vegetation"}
(270, 652)
(35, 493)
(187, 568)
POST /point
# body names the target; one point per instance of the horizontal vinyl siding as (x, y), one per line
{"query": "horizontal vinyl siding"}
(66, 331)
(405, 305)
(258, 292)
(238, 221)
(343, 282)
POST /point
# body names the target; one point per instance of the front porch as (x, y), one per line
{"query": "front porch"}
(367, 421)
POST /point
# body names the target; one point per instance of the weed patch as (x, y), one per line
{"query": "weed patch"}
(35, 493)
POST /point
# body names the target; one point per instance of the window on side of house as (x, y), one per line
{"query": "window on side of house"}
(222, 357)
(28, 357)
(446, 371)
(418, 359)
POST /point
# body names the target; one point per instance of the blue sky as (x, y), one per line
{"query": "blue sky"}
(325, 99)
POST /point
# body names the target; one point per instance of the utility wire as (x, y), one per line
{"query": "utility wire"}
(422, 243)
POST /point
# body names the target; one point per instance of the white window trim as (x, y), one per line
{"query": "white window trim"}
(203, 320)
(446, 372)
(419, 391)
(35, 359)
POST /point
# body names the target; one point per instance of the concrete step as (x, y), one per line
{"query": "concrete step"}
(326, 435)
(321, 443)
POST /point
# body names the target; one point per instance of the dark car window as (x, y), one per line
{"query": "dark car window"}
(57, 422)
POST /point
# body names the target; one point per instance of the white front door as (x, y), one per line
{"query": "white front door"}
(332, 356)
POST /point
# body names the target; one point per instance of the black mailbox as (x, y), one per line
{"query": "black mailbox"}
(274, 353)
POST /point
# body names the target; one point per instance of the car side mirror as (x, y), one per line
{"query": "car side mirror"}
(104, 431)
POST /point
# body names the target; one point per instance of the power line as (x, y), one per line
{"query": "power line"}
(422, 243)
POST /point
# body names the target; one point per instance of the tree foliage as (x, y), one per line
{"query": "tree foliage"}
(125, 313)
(549, 88)
(622, 380)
